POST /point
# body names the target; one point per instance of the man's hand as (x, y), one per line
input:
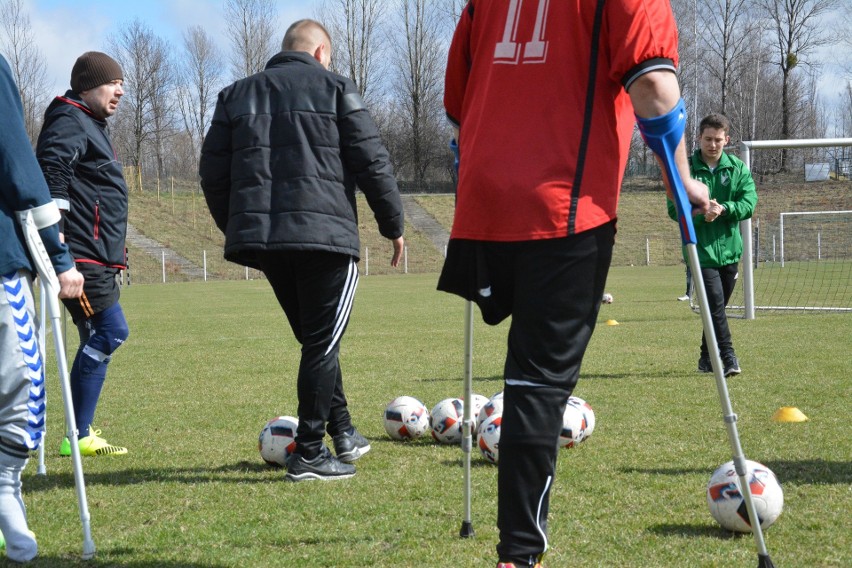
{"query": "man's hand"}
(698, 195)
(696, 191)
(70, 284)
(398, 246)
(715, 211)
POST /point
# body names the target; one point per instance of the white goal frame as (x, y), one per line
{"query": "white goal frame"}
(745, 226)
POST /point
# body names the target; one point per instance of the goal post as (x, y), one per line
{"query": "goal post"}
(746, 225)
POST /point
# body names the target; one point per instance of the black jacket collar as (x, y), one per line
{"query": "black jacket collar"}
(284, 57)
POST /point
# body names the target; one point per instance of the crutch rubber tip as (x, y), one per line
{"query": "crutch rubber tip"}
(467, 530)
(88, 550)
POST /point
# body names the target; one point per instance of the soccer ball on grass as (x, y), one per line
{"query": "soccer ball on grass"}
(588, 414)
(573, 427)
(493, 406)
(406, 418)
(447, 418)
(277, 440)
(489, 438)
(477, 402)
(726, 502)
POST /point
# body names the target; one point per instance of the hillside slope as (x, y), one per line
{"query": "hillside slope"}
(180, 221)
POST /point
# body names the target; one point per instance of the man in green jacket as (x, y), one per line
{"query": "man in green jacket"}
(720, 245)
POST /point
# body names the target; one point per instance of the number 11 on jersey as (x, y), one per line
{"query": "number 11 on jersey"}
(508, 50)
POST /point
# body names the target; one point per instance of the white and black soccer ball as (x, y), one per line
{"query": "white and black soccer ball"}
(726, 502)
(446, 418)
(573, 427)
(488, 438)
(493, 406)
(607, 298)
(588, 413)
(477, 402)
(277, 440)
(406, 418)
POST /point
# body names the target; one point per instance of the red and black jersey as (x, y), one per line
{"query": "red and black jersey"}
(538, 89)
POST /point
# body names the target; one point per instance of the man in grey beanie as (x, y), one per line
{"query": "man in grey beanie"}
(86, 181)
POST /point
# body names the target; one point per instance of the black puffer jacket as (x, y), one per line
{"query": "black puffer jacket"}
(280, 163)
(85, 178)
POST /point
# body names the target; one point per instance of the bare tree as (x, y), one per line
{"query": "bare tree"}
(727, 25)
(420, 61)
(846, 64)
(847, 109)
(149, 82)
(796, 32)
(29, 67)
(451, 10)
(200, 80)
(355, 27)
(250, 25)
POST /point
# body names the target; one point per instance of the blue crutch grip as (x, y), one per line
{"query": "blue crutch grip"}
(662, 134)
(454, 146)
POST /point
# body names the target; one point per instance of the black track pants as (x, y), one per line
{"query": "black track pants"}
(316, 291)
(719, 284)
(529, 444)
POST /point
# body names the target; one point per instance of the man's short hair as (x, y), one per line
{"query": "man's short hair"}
(717, 121)
(302, 35)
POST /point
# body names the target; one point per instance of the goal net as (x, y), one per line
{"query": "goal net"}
(795, 260)
(802, 261)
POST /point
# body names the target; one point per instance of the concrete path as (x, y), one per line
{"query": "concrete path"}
(423, 222)
(156, 249)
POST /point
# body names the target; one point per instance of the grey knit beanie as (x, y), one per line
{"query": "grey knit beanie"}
(93, 69)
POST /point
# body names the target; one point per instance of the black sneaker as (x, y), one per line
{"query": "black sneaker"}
(349, 447)
(704, 365)
(731, 365)
(324, 467)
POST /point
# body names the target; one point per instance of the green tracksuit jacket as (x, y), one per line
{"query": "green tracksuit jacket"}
(731, 185)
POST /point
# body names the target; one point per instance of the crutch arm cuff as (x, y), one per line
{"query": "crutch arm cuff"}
(44, 215)
(664, 132)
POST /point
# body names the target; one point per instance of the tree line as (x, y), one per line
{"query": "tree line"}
(756, 61)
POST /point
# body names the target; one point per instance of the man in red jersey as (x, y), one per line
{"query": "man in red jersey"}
(545, 96)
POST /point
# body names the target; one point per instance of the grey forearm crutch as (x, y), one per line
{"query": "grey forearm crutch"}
(467, 426)
(467, 414)
(31, 220)
(663, 135)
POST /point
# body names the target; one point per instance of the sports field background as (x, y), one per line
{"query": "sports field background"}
(179, 220)
(207, 364)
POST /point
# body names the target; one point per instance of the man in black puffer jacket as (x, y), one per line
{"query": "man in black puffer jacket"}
(279, 168)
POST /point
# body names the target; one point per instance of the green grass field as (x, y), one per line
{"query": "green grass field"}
(207, 364)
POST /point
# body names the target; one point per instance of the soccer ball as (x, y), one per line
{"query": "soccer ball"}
(493, 406)
(447, 417)
(477, 402)
(489, 437)
(573, 427)
(277, 440)
(588, 413)
(406, 418)
(607, 298)
(726, 501)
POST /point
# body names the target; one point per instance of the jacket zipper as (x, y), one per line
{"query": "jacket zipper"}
(97, 217)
